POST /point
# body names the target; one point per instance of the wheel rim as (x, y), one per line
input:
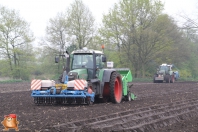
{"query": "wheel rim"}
(117, 90)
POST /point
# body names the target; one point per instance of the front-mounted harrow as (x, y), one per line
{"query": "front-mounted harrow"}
(47, 92)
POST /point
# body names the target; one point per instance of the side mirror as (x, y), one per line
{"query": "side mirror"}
(104, 59)
(56, 59)
(66, 54)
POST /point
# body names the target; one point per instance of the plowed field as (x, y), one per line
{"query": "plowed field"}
(159, 107)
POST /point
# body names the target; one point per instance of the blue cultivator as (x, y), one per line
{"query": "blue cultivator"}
(47, 93)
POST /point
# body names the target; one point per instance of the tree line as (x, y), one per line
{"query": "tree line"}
(136, 34)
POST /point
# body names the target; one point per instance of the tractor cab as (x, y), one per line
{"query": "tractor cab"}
(165, 69)
(84, 64)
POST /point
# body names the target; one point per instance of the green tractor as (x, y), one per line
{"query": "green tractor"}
(85, 80)
(165, 73)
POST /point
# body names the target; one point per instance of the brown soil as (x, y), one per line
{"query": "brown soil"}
(159, 107)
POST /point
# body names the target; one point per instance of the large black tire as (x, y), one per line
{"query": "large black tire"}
(115, 85)
(167, 78)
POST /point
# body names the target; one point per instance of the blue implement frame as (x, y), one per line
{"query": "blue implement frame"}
(63, 94)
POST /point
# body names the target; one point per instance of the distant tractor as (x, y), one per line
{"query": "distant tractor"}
(85, 80)
(165, 73)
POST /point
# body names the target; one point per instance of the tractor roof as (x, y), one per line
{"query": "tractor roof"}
(164, 64)
(85, 51)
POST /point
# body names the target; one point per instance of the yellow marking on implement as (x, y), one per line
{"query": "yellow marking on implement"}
(62, 86)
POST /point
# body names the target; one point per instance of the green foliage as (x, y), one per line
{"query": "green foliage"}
(71, 48)
(140, 33)
(70, 30)
(15, 44)
(5, 69)
(10, 81)
(136, 34)
(188, 79)
(134, 29)
(142, 80)
(185, 73)
(193, 61)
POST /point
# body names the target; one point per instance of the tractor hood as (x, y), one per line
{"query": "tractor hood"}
(78, 74)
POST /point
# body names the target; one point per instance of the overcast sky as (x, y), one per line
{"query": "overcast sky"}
(38, 12)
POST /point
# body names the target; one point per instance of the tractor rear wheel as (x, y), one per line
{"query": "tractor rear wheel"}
(167, 78)
(115, 87)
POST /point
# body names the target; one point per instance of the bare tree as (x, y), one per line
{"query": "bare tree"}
(80, 24)
(74, 28)
(56, 33)
(69, 30)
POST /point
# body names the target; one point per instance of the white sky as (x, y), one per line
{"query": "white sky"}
(38, 12)
(179, 7)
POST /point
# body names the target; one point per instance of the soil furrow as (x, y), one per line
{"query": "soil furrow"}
(160, 123)
(160, 107)
(133, 118)
(143, 123)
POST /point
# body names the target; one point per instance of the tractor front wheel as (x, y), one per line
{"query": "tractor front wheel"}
(115, 87)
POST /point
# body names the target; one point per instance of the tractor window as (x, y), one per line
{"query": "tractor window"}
(99, 63)
(165, 68)
(81, 61)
